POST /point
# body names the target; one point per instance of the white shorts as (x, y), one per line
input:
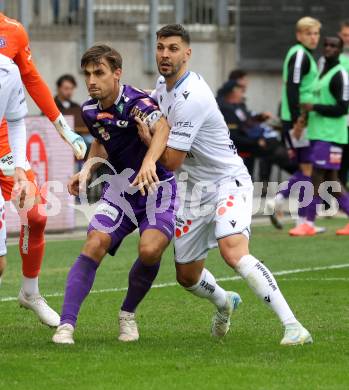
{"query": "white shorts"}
(229, 214)
(3, 249)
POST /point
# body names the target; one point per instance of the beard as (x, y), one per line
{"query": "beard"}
(172, 70)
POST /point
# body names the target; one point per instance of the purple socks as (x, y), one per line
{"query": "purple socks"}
(343, 201)
(140, 279)
(295, 178)
(79, 283)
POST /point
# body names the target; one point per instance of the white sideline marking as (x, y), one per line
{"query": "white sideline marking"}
(173, 284)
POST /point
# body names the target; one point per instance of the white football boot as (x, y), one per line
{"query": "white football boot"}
(319, 229)
(39, 306)
(64, 334)
(128, 330)
(221, 319)
(296, 334)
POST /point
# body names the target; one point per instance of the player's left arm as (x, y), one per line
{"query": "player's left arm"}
(16, 110)
(339, 87)
(41, 94)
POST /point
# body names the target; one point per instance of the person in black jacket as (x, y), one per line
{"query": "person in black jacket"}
(248, 132)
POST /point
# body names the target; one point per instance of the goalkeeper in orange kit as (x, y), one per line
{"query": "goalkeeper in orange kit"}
(14, 43)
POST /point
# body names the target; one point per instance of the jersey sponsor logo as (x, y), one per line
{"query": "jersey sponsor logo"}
(3, 42)
(180, 133)
(104, 115)
(137, 112)
(122, 124)
(184, 124)
(207, 286)
(267, 276)
(186, 94)
(108, 211)
(7, 166)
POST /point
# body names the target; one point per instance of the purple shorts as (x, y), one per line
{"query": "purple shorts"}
(303, 155)
(120, 217)
(326, 155)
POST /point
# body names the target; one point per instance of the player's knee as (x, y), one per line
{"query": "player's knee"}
(233, 249)
(37, 219)
(150, 253)
(96, 245)
(186, 279)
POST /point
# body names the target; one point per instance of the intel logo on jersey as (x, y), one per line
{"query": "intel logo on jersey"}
(3, 42)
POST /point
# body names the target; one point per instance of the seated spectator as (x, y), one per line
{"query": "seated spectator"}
(240, 76)
(252, 137)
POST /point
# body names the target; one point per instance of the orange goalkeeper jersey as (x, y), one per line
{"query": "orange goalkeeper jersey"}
(14, 43)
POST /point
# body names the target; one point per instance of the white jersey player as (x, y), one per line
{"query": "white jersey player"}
(217, 195)
(13, 108)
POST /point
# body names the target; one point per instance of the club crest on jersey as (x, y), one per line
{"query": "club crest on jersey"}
(104, 134)
(3, 42)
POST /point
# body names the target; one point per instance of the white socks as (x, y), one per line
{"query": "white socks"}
(30, 286)
(264, 285)
(207, 288)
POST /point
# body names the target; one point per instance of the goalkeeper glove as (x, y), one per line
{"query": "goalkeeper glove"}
(72, 138)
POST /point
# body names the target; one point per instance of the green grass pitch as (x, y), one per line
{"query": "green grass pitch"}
(175, 350)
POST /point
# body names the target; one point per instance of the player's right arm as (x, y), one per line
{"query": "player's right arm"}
(79, 180)
(189, 117)
(41, 94)
(298, 67)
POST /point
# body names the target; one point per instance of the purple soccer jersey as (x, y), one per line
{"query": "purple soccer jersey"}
(116, 129)
(122, 209)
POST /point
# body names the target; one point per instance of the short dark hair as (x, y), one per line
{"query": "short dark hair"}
(227, 87)
(174, 30)
(344, 23)
(97, 53)
(237, 74)
(66, 77)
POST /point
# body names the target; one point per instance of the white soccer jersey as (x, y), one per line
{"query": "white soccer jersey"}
(198, 127)
(12, 99)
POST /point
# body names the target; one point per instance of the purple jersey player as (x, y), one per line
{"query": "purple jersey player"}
(110, 117)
